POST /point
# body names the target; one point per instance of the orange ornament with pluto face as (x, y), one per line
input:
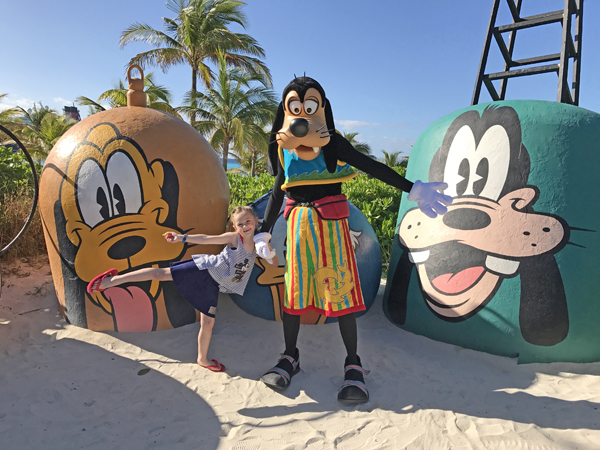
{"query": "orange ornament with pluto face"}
(110, 188)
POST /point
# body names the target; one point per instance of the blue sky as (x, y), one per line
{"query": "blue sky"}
(389, 68)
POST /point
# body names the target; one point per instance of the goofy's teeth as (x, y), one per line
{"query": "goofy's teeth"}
(316, 149)
(502, 266)
(418, 257)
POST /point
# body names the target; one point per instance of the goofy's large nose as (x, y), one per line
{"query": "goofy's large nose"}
(299, 127)
(466, 219)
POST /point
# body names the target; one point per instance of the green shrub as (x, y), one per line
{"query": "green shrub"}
(15, 172)
(16, 197)
(244, 190)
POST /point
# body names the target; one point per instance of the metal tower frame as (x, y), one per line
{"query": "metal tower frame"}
(571, 49)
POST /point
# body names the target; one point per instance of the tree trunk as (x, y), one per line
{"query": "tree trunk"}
(253, 165)
(225, 152)
(194, 80)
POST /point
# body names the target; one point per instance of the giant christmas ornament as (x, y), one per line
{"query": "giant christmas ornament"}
(110, 188)
(511, 269)
(264, 293)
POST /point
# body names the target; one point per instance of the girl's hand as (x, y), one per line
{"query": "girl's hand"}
(172, 237)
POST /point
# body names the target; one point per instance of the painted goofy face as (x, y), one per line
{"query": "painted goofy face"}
(304, 130)
(491, 227)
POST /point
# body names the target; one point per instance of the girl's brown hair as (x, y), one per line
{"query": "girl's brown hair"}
(236, 212)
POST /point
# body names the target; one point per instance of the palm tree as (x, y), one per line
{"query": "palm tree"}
(197, 34)
(157, 97)
(253, 158)
(8, 117)
(362, 147)
(233, 109)
(42, 128)
(404, 162)
(393, 159)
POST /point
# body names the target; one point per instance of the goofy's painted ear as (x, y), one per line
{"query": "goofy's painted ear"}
(330, 150)
(272, 150)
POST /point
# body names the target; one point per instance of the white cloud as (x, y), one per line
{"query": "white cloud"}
(8, 102)
(61, 101)
(351, 125)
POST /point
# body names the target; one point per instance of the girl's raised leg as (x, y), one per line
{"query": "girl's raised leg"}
(163, 274)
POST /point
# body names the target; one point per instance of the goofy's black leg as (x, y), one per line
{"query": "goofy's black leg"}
(280, 376)
(354, 390)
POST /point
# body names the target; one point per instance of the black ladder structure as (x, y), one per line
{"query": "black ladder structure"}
(571, 49)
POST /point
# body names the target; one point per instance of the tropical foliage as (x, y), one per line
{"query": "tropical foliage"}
(16, 197)
(157, 97)
(9, 116)
(253, 157)
(362, 147)
(195, 36)
(393, 159)
(15, 172)
(41, 128)
(234, 110)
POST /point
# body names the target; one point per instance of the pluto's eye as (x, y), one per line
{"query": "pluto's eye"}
(295, 107)
(124, 183)
(310, 107)
(93, 196)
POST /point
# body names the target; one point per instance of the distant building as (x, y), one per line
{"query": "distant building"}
(72, 112)
(12, 147)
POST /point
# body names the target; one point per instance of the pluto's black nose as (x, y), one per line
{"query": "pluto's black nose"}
(299, 127)
(126, 247)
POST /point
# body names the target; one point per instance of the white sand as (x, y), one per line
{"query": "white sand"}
(63, 387)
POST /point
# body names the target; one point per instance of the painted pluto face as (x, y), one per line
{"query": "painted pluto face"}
(119, 212)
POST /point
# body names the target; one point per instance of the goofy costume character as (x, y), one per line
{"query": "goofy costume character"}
(310, 161)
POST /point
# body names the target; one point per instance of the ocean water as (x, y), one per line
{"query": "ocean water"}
(232, 164)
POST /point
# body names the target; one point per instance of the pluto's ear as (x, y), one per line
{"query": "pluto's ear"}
(272, 151)
(329, 150)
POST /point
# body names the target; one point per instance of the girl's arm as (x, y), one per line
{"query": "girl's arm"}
(225, 238)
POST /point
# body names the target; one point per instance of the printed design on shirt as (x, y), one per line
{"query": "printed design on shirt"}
(241, 269)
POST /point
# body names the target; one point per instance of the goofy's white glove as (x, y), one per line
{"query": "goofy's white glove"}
(261, 243)
(430, 201)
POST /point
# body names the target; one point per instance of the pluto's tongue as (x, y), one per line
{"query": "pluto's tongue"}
(132, 308)
(454, 283)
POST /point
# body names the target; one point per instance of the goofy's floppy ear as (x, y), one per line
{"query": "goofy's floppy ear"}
(272, 150)
(330, 150)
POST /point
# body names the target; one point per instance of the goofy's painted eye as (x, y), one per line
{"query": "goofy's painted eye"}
(310, 107)
(295, 107)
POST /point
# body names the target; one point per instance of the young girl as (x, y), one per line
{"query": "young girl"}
(200, 279)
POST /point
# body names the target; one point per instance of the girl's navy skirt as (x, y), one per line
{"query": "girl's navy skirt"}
(196, 286)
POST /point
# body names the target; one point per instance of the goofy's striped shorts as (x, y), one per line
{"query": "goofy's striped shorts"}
(321, 273)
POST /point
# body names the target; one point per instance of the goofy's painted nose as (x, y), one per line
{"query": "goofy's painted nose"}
(299, 127)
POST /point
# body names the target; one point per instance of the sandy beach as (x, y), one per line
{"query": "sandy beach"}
(63, 387)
